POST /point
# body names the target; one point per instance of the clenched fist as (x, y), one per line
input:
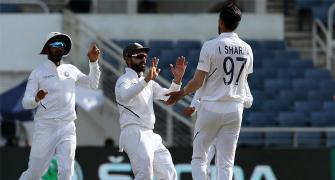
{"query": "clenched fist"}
(40, 95)
(93, 53)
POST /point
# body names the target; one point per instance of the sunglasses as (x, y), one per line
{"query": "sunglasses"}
(139, 56)
(57, 44)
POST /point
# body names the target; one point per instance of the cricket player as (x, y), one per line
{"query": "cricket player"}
(194, 107)
(51, 89)
(222, 71)
(135, 94)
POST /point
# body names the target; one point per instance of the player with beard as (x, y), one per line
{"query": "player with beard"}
(51, 89)
(134, 94)
(223, 68)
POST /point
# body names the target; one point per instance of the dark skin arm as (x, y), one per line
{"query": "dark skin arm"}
(194, 84)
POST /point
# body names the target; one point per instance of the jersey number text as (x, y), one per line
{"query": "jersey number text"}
(230, 71)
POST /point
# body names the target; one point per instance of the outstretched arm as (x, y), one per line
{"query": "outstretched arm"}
(194, 84)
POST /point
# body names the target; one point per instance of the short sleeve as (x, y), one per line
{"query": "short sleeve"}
(204, 59)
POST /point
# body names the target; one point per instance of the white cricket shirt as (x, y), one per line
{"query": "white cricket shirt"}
(228, 61)
(135, 99)
(60, 83)
(248, 99)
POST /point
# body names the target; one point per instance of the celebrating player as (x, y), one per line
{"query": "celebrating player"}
(194, 107)
(51, 88)
(135, 94)
(222, 71)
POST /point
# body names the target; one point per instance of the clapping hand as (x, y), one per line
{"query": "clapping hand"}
(178, 70)
(153, 71)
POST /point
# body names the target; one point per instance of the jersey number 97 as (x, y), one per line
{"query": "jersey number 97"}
(229, 70)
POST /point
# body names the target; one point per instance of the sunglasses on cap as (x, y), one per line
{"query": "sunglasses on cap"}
(139, 56)
(57, 44)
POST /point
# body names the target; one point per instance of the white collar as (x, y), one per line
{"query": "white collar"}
(50, 64)
(131, 73)
(228, 34)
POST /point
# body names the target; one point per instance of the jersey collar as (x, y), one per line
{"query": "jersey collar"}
(228, 34)
(131, 73)
(48, 63)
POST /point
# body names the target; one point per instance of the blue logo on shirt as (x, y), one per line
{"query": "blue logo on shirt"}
(49, 76)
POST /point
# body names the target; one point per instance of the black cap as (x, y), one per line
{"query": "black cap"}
(134, 48)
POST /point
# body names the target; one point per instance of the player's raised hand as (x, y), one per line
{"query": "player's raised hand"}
(153, 71)
(178, 70)
(93, 53)
(40, 95)
(174, 97)
(188, 111)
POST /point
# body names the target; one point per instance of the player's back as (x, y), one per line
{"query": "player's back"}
(228, 60)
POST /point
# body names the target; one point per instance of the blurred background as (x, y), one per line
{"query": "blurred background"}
(289, 132)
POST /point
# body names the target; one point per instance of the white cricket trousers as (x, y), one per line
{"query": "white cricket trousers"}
(147, 154)
(225, 127)
(52, 137)
(210, 155)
